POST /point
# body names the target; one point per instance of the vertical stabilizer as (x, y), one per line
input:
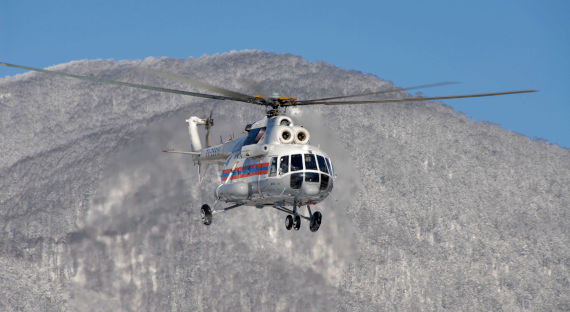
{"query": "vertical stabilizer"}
(193, 123)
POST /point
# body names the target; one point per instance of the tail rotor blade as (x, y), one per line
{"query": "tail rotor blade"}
(210, 124)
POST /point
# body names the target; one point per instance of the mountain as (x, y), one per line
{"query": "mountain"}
(431, 210)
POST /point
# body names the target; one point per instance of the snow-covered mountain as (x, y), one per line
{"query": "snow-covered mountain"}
(431, 210)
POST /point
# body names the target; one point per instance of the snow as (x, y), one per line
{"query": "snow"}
(431, 210)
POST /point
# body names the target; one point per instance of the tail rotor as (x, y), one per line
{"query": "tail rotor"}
(209, 124)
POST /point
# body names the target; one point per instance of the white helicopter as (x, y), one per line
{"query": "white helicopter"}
(274, 165)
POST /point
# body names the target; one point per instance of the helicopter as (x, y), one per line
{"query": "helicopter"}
(274, 165)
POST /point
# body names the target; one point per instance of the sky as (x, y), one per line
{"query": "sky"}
(485, 45)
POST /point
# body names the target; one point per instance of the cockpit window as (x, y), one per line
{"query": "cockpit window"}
(296, 162)
(331, 169)
(311, 177)
(273, 169)
(322, 165)
(284, 164)
(324, 182)
(310, 163)
(296, 180)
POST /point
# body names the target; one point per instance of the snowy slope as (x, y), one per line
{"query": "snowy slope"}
(432, 211)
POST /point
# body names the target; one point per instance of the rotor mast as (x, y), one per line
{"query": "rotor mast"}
(277, 103)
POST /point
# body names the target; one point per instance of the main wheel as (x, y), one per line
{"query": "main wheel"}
(288, 222)
(206, 213)
(296, 223)
(315, 222)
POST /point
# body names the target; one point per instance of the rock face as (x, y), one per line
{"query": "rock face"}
(431, 210)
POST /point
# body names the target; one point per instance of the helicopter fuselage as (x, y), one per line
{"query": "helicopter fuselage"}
(273, 166)
(288, 175)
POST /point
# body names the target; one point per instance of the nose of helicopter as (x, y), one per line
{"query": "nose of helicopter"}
(310, 189)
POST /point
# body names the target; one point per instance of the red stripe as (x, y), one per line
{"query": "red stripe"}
(245, 175)
(246, 167)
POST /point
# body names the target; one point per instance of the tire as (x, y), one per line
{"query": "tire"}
(289, 222)
(296, 223)
(206, 214)
(315, 223)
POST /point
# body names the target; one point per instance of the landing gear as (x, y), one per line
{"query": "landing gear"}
(315, 221)
(289, 222)
(293, 219)
(296, 222)
(293, 222)
(206, 213)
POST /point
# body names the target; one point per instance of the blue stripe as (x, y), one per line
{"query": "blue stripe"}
(250, 170)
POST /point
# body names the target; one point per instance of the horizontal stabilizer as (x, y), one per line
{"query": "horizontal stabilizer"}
(181, 152)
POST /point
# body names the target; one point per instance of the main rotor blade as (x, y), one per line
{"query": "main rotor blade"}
(132, 85)
(380, 92)
(197, 83)
(412, 99)
(256, 87)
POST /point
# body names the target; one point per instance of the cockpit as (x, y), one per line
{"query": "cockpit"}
(307, 167)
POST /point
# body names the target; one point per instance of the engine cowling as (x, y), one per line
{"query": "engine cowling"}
(286, 135)
(302, 135)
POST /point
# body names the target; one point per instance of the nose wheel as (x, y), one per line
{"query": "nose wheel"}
(289, 222)
(315, 222)
(206, 214)
(294, 221)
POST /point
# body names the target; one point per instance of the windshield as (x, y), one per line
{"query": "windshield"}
(296, 162)
(310, 163)
(331, 169)
(322, 165)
